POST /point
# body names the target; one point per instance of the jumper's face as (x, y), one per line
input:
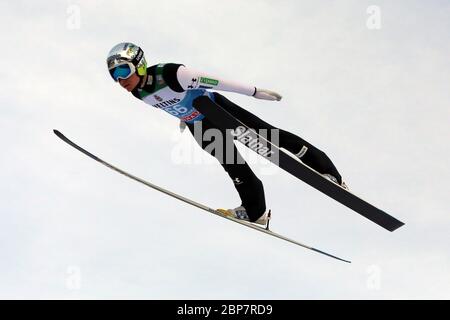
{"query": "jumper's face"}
(130, 83)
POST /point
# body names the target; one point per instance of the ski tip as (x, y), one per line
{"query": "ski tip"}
(58, 134)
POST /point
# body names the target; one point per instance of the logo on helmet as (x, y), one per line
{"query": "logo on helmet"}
(140, 54)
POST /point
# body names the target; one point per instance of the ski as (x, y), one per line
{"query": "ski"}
(189, 201)
(224, 120)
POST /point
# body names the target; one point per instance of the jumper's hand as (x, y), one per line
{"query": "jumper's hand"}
(267, 95)
(182, 126)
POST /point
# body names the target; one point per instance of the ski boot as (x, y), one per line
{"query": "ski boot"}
(333, 179)
(241, 213)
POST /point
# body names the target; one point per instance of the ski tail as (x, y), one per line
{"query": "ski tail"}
(329, 255)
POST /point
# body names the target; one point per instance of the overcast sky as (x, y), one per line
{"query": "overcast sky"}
(367, 85)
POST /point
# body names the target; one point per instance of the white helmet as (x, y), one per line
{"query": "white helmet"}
(124, 59)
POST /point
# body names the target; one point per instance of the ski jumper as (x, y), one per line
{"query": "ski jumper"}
(173, 88)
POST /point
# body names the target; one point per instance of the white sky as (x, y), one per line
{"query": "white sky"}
(376, 101)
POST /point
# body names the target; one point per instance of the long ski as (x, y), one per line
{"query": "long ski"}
(224, 120)
(189, 201)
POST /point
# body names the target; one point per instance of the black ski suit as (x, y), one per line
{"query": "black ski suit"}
(174, 88)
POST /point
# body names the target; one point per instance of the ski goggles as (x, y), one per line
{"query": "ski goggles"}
(122, 71)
